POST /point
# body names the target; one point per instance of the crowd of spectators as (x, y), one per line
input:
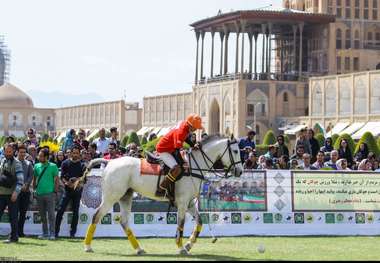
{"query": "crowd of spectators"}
(28, 171)
(308, 155)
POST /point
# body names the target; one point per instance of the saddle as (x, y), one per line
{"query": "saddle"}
(152, 165)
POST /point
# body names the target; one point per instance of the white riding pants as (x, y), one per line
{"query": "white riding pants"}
(168, 159)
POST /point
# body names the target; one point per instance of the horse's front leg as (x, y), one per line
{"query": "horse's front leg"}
(179, 235)
(193, 210)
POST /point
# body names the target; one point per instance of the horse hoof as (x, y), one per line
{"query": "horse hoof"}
(141, 252)
(183, 252)
(88, 250)
(188, 246)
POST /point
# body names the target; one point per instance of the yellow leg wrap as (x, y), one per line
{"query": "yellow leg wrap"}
(171, 178)
(132, 238)
(195, 234)
(90, 234)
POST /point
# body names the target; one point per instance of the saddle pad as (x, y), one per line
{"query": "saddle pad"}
(149, 169)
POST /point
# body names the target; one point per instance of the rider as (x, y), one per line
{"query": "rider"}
(170, 145)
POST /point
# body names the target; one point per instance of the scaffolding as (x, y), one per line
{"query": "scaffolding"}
(5, 59)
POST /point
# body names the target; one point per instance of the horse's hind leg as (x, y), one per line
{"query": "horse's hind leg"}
(102, 211)
(193, 210)
(125, 208)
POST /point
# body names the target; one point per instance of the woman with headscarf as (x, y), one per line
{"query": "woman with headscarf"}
(344, 152)
(261, 162)
(362, 153)
(328, 147)
(69, 140)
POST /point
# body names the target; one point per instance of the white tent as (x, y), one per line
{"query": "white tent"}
(92, 134)
(164, 131)
(353, 128)
(296, 129)
(340, 126)
(373, 127)
(156, 130)
(142, 131)
(60, 136)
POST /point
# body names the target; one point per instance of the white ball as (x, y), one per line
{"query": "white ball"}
(261, 248)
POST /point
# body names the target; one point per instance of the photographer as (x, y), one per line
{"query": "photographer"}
(71, 170)
(11, 182)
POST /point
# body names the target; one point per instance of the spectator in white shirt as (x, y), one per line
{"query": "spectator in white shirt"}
(102, 142)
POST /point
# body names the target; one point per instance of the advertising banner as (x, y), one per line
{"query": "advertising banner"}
(267, 203)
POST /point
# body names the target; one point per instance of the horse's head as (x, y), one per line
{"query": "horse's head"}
(227, 151)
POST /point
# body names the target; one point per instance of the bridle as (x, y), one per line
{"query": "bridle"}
(207, 160)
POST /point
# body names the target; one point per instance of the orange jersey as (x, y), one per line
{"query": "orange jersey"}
(174, 139)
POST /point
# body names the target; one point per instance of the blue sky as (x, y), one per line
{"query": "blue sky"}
(102, 48)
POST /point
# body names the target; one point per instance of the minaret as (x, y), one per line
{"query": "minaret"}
(4, 62)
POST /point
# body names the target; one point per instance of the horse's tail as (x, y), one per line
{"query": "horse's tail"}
(92, 164)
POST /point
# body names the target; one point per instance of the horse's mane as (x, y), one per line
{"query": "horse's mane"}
(212, 138)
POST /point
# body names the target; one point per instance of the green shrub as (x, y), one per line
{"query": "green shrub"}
(2, 141)
(133, 138)
(124, 140)
(144, 140)
(287, 140)
(334, 137)
(321, 139)
(269, 138)
(370, 141)
(261, 149)
(351, 143)
(378, 143)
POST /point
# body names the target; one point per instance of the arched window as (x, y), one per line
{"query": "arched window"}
(285, 97)
(203, 108)
(317, 100)
(370, 36)
(357, 40)
(338, 39)
(330, 99)
(257, 101)
(227, 106)
(348, 38)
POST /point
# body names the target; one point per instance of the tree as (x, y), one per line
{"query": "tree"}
(133, 138)
(269, 138)
(144, 140)
(378, 143)
(124, 140)
(321, 139)
(351, 143)
(370, 141)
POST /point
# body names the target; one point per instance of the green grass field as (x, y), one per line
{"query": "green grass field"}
(242, 248)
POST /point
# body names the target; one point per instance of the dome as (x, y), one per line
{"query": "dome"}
(13, 97)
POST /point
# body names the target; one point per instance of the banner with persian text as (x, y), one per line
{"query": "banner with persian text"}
(270, 203)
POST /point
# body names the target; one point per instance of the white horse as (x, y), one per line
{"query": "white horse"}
(121, 178)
